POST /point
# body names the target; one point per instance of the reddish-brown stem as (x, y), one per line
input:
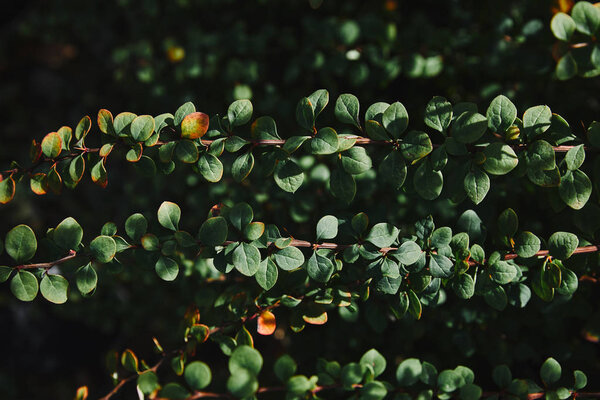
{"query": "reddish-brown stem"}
(72, 254)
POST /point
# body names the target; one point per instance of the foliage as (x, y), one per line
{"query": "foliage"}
(274, 245)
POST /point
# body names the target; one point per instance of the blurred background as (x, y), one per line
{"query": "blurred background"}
(62, 59)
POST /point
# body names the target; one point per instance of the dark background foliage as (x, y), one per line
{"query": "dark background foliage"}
(60, 60)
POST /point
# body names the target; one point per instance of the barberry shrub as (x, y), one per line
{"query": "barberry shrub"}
(273, 281)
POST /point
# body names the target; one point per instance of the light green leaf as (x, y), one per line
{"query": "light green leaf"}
(562, 245)
(68, 234)
(550, 371)
(562, 26)
(20, 243)
(501, 114)
(575, 157)
(210, 167)
(246, 259)
(136, 226)
(166, 268)
(536, 120)
(347, 109)
(242, 166)
(197, 375)
(319, 268)
(288, 175)
(239, 112)
(500, 158)
(586, 17)
(575, 189)
(24, 285)
(182, 112)
(415, 146)
(408, 372)
(289, 258)
(245, 358)
(327, 227)
(469, 127)
(54, 288)
(476, 185)
(86, 278)
(142, 128)
(383, 235)
(267, 274)
(356, 160)
(168, 215)
(395, 119)
(325, 141)
(438, 114)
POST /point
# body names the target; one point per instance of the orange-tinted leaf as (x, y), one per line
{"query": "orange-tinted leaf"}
(66, 134)
(83, 127)
(7, 189)
(200, 332)
(135, 153)
(194, 125)
(54, 180)
(105, 122)
(82, 393)
(99, 176)
(35, 151)
(38, 184)
(52, 145)
(266, 323)
(315, 314)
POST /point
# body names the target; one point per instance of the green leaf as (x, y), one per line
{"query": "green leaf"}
(586, 17)
(375, 360)
(449, 380)
(147, 381)
(393, 169)
(464, 286)
(500, 158)
(182, 112)
(5, 273)
(562, 245)
(288, 175)
(319, 268)
(210, 167)
(408, 372)
(305, 115)
(285, 367)
(242, 383)
(267, 274)
(239, 112)
(168, 215)
(408, 253)
(68, 234)
(20, 243)
(293, 143)
(289, 258)
(103, 249)
(122, 124)
(265, 128)
(327, 227)
(105, 122)
(540, 156)
(254, 230)
(373, 390)
(550, 371)
(347, 108)
(356, 160)
(469, 127)
(470, 392)
(580, 380)
(441, 237)
(502, 272)
(383, 235)
(415, 307)
(245, 358)
(54, 288)
(173, 391)
(395, 119)
(24, 285)
(566, 67)
(536, 120)
(86, 278)
(213, 231)
(142, 128)
(66, 134)
(415, 146)
(167, 269)
(502, 376)
(508, 222)
(352, 374)
(496, 298)
(427, 182)
(562, 26)
(438, 113)
(83, 127)
(325, 141)
(342, 185)
(575, 157)
(129, 361)
(136, 226)
(241, 215)
(246, 259)
(527, 244)
(52, 145)
(501, 114)
(440, 266)
(7, 190)
(186, 151)
(242, 166)
(318, 100)
(476, 185)
(197, 375)
(575, 189)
